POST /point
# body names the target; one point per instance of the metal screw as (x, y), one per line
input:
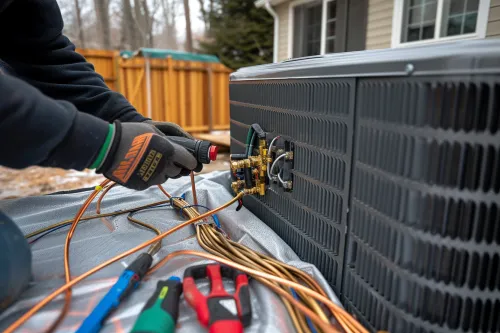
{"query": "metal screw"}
(409, 69)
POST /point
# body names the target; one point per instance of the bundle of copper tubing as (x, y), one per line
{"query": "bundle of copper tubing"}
(278, 276)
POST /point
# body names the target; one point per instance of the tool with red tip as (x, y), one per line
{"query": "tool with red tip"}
(202, 150)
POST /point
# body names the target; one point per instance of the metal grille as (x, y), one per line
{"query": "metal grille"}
(424, 234)
(317, 116)
(396, 195)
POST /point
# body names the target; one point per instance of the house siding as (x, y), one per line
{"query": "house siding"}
(282, 11)
(493, 29)
(379, 26)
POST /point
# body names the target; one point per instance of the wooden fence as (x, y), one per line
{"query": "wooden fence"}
(194, 95)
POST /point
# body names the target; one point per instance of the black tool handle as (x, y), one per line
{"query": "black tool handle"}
(202, 150)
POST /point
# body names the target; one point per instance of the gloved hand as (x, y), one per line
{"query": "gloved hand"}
(138, 157)
(169, 129)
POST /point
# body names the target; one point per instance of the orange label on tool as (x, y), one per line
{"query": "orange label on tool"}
(132, 158)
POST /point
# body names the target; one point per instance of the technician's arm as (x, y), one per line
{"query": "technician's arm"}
(33, 45)
(37, 130)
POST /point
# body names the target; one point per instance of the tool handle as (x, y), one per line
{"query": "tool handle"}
(127, 282)
(226, 326)
(161, 311)
(94, 321)
(202, 150)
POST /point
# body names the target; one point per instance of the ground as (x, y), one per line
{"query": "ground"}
(36, 180)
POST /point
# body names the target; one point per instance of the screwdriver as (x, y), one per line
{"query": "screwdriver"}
(161, 311)
(128, 281)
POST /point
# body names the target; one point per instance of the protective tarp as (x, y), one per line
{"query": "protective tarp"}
(100, 239)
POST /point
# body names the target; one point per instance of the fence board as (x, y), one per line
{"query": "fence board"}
(181, 91)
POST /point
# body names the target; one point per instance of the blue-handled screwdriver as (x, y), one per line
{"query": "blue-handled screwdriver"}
(128, 281)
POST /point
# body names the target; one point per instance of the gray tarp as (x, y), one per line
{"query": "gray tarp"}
(97, 240)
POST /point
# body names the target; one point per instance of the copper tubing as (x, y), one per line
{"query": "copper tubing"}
(73, 227)
(206, 234)
(265, 277)
(106, 190)
(332, 306)
(277, 270)
(67, 273)
(20, 321)
(193, 188)
(298, 320)
(153, 249)
(217, 246)
(325, 327)
(91, 217)
(219, 249)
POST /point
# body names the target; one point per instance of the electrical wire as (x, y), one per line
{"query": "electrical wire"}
(203, 235)
(46, 233)
(250, 146)
(91, 217)
(21, 320)
(270, 151)
(281, 179)
(276, 161)
(216, 243)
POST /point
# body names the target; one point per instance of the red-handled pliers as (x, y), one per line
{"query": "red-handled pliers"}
(220, 311)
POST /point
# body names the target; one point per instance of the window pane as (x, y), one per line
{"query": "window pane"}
(330, 45)
(313, 48)
(331, 29)
(470, 23)
(460, 17)
(420, 21)
(430, 11)
(454, 26)
(457, 6)
(472, 5)
(332, 10)
(413, 34)
(415, 15)
(428, 32)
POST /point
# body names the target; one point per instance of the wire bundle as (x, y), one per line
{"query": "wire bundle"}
(218, 244)
(299, 292)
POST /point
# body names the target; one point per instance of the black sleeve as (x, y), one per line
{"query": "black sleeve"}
(31, 42)
(37, 130)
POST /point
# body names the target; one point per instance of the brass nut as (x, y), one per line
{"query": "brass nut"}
(252, 190)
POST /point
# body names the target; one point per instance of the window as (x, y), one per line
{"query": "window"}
(314, 28)
(427, 21)
(331, 21)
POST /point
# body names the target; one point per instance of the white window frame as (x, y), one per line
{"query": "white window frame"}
(397, 25)
(291, 9)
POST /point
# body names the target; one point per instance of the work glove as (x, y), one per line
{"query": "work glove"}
(169, 129)
(138, 157)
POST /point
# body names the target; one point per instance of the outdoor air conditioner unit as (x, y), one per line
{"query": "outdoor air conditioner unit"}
(396, 178)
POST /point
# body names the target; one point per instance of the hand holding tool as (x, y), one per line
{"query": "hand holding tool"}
(138, 156)
(128, 281)
(219, 310)
(161, 311)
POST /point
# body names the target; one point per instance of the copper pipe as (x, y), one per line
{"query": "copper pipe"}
(21, 320)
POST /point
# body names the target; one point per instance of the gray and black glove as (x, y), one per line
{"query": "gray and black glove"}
(136, 156)
(169, 129)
